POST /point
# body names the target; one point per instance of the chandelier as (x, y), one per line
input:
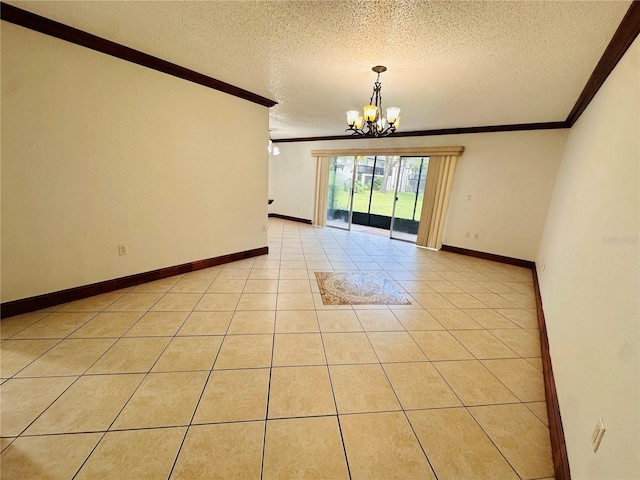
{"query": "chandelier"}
(273, 150)
(373, 123)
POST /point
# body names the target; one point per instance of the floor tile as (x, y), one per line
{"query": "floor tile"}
(536, 363)
(55, 325)
(24, 399)
(453, 319)
(49, 456)
(89, 405)
(69, 357)
(290, 452)
(395, 347)
(17, 354)
(141, 454)
(339, 321)
(245, 351)
(379, 321)
(264, 274)
(131, 355)
(256, 321)
(177, 302)
(432, 300)
(296, 321)
(539, 409)
(362, 388)
(261, 286)
(383, 446)
(107, 324)
(224, 285)
(293, 349)
(473, 383)
(225, 451)
(218, 302)
(520, 341)
(95, 303)
(230, 273)
(521, 437)
(524, 318)
(482, 344)
(457, 447)
(419, 385)
(348, 348)
(493, 300)
(496, 287)
(295, 301)
(135, 302)
(191, 285)
(12, 325)
(257, 301)
(163, 399)
(234, 395)
(439, 345)
(157, 286)
(293, 274)
(300, 392)
(520, 377)
(415, 286)
(189, 353)
(158, 324)
(206, 323)
(293, 286)
(520, 300)
(488, 318)
(417, 319)
(463, 300)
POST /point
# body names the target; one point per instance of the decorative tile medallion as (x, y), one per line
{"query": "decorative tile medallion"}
(370, 288)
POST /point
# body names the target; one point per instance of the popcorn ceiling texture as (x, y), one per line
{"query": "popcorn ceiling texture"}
(451, 64)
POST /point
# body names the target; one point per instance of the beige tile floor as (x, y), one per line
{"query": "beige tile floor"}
(240, 371)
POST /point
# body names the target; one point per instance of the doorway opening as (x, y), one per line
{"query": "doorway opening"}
(379, 191)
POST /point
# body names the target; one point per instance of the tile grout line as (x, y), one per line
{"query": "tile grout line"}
(335, 403)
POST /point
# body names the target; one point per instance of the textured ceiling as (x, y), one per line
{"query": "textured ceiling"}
(450, 64)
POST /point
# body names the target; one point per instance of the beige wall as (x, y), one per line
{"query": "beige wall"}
(510, 177)
(589, 271)
(97, 151)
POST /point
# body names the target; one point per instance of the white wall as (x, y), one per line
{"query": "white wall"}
(592, 278)
(509, 175)
(97, 151)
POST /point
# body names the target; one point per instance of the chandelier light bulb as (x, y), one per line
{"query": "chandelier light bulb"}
(370, 113)
(392, 115)
(352, 117)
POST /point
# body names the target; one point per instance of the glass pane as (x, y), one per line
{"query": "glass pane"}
(339, 194)
(383, 186)
(412, 176)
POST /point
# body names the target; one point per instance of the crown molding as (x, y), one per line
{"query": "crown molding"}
(29, 20)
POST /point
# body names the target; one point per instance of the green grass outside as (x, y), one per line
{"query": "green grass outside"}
(381, 203)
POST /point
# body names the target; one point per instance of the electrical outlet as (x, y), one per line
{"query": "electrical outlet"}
(468, 234)
(476, 235)
(598, 433)
(123, 249)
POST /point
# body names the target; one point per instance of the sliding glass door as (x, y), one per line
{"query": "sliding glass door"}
(340, 194)
(410, 175)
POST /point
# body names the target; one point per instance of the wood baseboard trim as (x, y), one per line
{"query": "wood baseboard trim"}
(293, 219)
(489, 256)
(556, 431)
(25, 305)
(558, 445)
